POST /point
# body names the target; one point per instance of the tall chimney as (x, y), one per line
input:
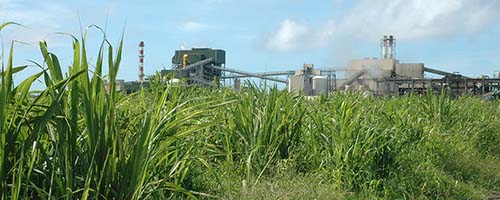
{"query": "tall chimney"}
(383, 47)
(388, 47)
(392, 47)
(141, 61)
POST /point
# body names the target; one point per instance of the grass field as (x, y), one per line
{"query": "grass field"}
(76, 140)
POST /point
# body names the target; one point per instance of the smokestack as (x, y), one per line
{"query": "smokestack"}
(388, 47)
(392, 46)
(383, 47)
(141, 61)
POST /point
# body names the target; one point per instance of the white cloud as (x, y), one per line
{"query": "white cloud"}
(406, 19)
(289, 36)
(40, 19)
(193, 26)
(293, 36)
(418, 19)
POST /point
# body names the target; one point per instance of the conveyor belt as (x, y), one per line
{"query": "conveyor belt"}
(249, 74)
(353, 78)
(442, 73)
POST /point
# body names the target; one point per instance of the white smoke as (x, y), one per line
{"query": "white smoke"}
(373, 71)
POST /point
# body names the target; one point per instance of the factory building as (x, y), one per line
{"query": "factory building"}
(200, 66)
(389, 76)
(386, 75)
(366, 74)
(310, 81)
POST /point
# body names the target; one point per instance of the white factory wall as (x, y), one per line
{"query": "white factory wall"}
(410, 70)
(300, 83)
(378, 69)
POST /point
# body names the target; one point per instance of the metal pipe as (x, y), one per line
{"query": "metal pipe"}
(276, 73)
(200, 63)
(282, 73)
(141, 61)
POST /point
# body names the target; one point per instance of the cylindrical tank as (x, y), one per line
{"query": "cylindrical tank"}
(289, 80)
(184, 60)
(319, 85)
(497, 74)
(237, 84)
(175, 81)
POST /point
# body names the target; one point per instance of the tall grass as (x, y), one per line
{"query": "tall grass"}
(67, 142)
(77, 140)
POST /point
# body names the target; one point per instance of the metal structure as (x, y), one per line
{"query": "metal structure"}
(201, 66)
(456, 85)
(312, 82)
(141, 61)
(206, 67)
(386, 75)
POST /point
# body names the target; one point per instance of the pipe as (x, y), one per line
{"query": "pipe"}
(275, 73)
(184, 60)
(283, 73)
(203, 62)
(141, 61)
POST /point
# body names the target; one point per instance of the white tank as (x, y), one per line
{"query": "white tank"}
(497, 74)
(319, 85)
(174, 81)
(289, 85)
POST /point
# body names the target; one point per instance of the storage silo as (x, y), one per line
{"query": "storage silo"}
(237, 84)
(319, 85)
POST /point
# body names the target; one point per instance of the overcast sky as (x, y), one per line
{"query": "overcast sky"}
(267, 35)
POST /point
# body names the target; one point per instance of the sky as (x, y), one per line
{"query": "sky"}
(263, 35)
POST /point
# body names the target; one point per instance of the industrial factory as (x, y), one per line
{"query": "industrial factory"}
(386, 75)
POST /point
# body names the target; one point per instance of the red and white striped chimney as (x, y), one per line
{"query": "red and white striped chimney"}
(141, 61)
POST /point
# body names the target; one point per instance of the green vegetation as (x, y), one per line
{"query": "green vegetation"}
(76, 140)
